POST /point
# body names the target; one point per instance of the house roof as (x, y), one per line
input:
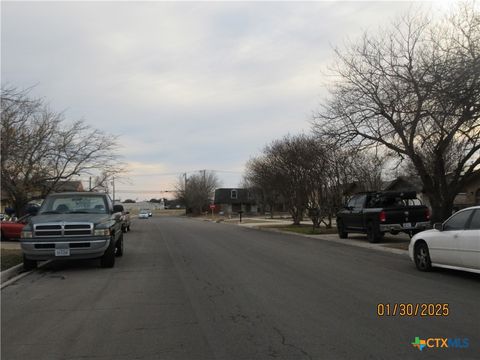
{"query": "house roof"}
(69, 185)
(404, 183)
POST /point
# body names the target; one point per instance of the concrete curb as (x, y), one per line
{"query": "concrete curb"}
(10, 272)
(20, 275)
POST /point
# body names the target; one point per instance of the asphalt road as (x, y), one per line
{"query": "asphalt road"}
(188, 289)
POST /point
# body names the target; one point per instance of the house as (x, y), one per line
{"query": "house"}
(234, 200)
(68, 186)
(403, 183)
(469, 196)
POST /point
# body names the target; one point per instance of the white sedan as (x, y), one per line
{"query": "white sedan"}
(455, 244)
(143, 214)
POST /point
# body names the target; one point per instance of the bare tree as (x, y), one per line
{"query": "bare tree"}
(290, 169)
(414, 90)
(196, 191)
(262, 182)
(40, 149)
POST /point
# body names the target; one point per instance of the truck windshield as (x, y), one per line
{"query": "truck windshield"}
(74, 205)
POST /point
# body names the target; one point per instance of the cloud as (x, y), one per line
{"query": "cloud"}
(184, 85)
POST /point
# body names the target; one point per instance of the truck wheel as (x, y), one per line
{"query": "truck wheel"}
(108, 259)
(29, 264)
(119, 247)
(422, 257)
(372, 235)
(342, 234)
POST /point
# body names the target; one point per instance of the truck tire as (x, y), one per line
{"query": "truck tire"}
(29, 264)
(373, 235)
(108, 259)
(342, 234)
(119, 247)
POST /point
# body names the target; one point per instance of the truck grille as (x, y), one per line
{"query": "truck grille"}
(63, 229)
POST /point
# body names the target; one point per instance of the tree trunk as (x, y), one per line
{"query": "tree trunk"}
(442, 207)
(19, 204)
(297, 215)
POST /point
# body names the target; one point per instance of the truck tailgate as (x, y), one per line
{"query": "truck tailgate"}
(407, 214)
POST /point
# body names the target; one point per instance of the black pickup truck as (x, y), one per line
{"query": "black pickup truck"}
(80, 225)
(376, 213)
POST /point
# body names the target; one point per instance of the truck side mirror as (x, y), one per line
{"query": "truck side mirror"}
(438, 226)
(117, 208)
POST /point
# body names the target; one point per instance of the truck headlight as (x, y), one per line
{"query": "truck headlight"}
(102, 232)
(26, 234)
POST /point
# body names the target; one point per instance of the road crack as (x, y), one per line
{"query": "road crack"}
(284, 343)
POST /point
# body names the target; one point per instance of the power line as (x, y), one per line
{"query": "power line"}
(143, 191)
(188, 172)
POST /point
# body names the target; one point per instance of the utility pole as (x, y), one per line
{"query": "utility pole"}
(185, 193)
(90, 183)
(113, 185)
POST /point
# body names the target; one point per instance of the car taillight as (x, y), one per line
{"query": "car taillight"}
(427, 213)
(382, 216)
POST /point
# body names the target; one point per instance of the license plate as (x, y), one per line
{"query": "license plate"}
(407, 225)
(62, 252)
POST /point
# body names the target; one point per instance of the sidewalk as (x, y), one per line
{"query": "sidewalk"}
(396, 244)
(10, 245)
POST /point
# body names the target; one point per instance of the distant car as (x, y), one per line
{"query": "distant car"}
(11, 230)
(143, 214)
(455, 244)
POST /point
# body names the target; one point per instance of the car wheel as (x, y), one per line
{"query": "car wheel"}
(108, 259)
(422, 257)
(372, 235)
(29, 264)
(119, 247)
(342, 234)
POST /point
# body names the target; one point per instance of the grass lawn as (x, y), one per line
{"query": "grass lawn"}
(10, 258)
(305, 229)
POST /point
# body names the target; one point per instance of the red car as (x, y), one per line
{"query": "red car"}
(11, 229)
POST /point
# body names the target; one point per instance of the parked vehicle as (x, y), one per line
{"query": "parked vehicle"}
(11, 230)
(126, 221)
(376, 213)
(143, 214)
(455, 244)
(77, 225)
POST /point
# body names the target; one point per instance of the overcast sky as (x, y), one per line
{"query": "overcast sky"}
(186, 86)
